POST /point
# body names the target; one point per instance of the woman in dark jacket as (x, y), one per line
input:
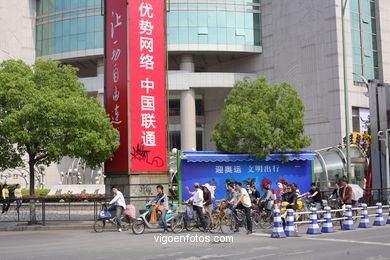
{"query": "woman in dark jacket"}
(291, 197)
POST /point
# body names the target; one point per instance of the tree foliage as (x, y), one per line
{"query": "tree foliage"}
(259, 118)
(46, 113)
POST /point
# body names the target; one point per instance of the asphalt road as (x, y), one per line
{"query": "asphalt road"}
(373, 243)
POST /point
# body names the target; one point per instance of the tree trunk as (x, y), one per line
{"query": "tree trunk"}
(33, 216)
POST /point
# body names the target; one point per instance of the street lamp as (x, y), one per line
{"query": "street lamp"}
(386, 139)
(346, 100)
(365, 81)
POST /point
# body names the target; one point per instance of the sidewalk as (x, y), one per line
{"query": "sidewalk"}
(49, 225)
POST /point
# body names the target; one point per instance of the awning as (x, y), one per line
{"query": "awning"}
(210, 156)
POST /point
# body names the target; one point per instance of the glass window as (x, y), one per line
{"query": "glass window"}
(183, 18)
(202, 18)
(183, 35)
(73, 26)
(192, 18)
(221, 19)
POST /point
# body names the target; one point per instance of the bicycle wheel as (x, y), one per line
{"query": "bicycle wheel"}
(199, 224)
(266, 220)
(125, 221)
(215, 223)
(99, 225)
(189, 225)
(138, 227)
(256, 219)
(177, 224)
(228, 224)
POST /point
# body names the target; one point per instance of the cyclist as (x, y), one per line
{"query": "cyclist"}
(207, 202)
(160, 202)
(314, 197)
(118, 204)
(197, 203)
(345, 193)
(255, 196)
(230, 195)
(244, 202)
(266, 201)
(291, 197)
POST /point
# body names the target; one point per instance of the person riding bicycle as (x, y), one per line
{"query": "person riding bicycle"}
(255, 196)
(314, 197)
(345, 193)
(230, 196)
(266, 201)
(197, 203)
(160, 202)
(291, 197)
(118, 205)
(207, 202)
(244, 202)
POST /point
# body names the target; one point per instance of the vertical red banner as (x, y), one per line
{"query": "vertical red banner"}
(116, 79)
(147, 85)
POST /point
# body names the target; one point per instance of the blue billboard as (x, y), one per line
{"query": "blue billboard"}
(219, 169)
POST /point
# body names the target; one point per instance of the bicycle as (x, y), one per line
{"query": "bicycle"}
(262, 218)
(230, 221)
(190, 222)
(106, 218)
(218, 214)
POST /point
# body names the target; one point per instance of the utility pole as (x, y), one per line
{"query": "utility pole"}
(346, 99)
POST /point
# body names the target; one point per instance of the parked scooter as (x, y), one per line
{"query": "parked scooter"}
(142, 221)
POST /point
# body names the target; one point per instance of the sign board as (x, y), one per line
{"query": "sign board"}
(147, 63)
(219, 174)
(116, 90)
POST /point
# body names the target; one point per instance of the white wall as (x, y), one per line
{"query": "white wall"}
(17, 30)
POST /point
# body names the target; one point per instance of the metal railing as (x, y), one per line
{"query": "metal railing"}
(63, 208)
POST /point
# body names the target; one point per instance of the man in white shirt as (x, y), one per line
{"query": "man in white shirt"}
(197, 203)
(118, 204)
(244, 202)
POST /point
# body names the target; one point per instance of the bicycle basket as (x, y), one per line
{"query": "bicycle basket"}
(181, 208)
(189, 214)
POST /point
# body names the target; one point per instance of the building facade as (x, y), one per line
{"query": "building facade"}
(212, 44)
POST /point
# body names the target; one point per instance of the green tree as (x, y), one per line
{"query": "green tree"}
(259, 118)
(46, 113)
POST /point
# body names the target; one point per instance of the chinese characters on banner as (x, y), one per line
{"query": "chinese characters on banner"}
(116, 79)
(147, 85)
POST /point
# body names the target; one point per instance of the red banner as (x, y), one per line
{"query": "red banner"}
(116, 80)
(147, 85)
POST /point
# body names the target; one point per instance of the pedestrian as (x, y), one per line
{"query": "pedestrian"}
(6, 201)
(208, 203)
(18, 197)
(160, 202)
(244, 202)
(197, 203)
(118, 205)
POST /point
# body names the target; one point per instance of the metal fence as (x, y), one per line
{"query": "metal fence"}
(63, 209)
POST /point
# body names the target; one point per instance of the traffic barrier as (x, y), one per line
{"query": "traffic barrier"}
(290, 228)
(388, 218)
(278, 231)
(348, 221)
(379, 220)
(327, 226)
(313, 226)
(364, 221)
